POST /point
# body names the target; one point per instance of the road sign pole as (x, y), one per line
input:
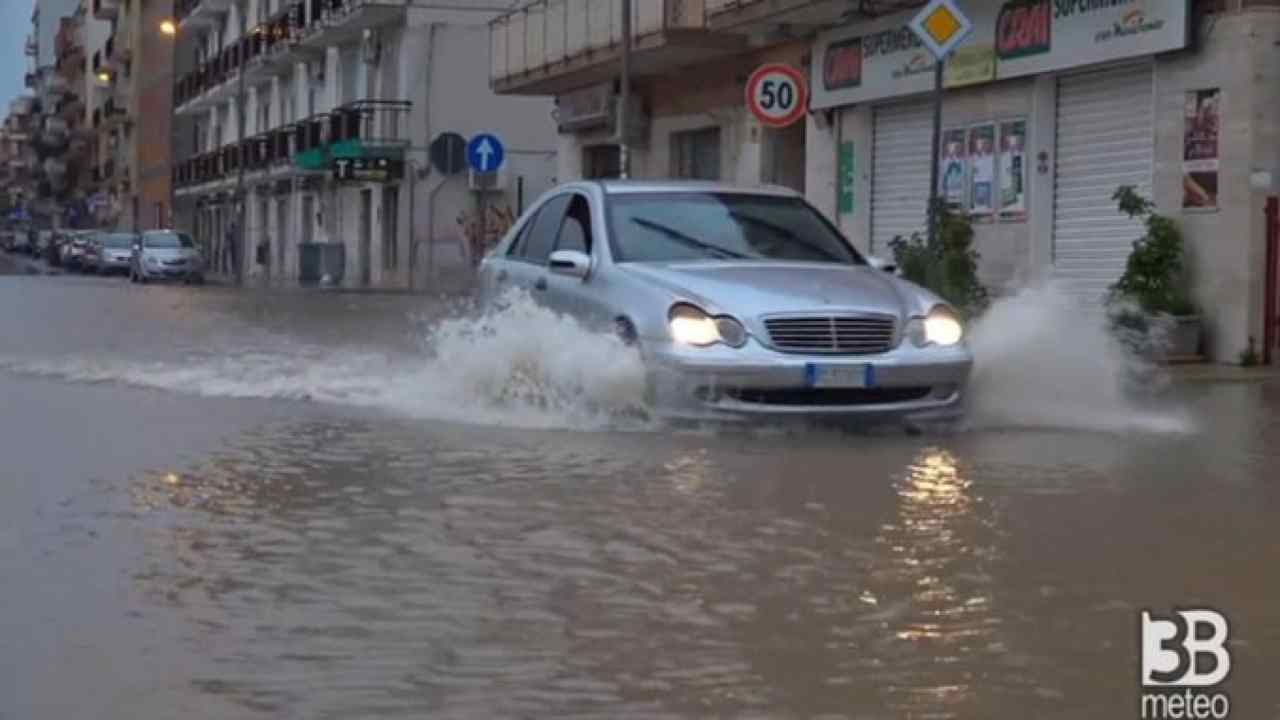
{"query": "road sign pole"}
(623, 126)
(933, 155)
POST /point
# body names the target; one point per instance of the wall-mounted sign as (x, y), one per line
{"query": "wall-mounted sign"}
(777, 94)
(884, 58)
(585, 108)
(366, 169)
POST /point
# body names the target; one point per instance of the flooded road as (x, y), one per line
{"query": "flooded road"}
(222, 505)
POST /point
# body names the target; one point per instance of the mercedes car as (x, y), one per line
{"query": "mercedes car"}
(742, 301)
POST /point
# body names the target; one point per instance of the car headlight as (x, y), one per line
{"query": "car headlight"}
(940, 327)
(690, 325)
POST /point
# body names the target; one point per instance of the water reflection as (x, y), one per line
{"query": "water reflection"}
(355, 568)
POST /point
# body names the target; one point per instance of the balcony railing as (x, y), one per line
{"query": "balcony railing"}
(307, 143)
(202, 9)
(269, 39)
(552, 45)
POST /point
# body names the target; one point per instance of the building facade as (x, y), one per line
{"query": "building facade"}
(332, 172)
(1047, 111)
(1048, 108)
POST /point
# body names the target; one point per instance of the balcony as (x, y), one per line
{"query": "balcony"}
(110, 59)
(112, 115)
(31, 48)
(192, 13)
(550, 46)
(271, 45)
(337, 22)
(106, 9)
(366, 128)
(801, 16)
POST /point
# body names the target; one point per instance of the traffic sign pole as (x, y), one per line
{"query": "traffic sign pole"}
(934, 199)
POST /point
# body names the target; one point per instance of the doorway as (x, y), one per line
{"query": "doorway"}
(366, 236)
(308, 218)
(390, 227)
(282, 233)
(785, 159)
(264, 225)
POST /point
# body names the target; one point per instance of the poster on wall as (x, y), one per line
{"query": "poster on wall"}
(982, 160)
(1201, 120)
(1013, 170)
(952, 168)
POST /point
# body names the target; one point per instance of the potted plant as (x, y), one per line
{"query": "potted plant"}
(1153, 291)
(948, 265)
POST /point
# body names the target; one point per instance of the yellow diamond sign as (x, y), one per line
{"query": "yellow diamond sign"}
(941, 26)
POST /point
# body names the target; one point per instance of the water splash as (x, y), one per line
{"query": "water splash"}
(521, 366)
(1043, 360)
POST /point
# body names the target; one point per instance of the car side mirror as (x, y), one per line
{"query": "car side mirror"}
(881, 264)
(570, 262)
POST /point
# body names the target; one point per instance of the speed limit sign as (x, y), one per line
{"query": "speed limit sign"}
(777, 94)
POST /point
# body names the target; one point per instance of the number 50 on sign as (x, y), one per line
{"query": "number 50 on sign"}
(777, 94)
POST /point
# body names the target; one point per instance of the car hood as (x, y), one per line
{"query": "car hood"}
(752, 289)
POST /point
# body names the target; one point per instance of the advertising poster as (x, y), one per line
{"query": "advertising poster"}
(1201, 121)
(1013, 170)
(982, 161)
(952, 169)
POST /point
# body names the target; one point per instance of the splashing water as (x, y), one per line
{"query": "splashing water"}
(521, 366)
(1040, 359)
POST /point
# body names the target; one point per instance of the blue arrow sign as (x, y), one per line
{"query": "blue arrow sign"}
(485, 153)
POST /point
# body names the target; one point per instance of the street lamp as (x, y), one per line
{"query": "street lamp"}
(104, 77)
(169, 28)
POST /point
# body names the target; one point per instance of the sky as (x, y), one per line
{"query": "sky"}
(15, 25)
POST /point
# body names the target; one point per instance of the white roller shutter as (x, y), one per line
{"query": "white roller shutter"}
(900, 172)
(1106, 138)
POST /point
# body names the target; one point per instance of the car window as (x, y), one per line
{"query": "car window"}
(517, 245)
(669, 227)
(542, 236)
(167, 240)
(575, 231)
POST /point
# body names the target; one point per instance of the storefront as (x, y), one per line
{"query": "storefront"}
(1048, 108)
(1036, 81)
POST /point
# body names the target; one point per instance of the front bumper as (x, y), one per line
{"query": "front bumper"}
(905, 382)
(111, 263)
(170, 271)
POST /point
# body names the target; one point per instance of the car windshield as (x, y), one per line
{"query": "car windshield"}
(118, 240)
(666, 227)
(167, 240)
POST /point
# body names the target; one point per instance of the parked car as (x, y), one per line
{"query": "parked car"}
(166, 254)
(22, 242)
(741, 301)
(74, 247)
(108, 253)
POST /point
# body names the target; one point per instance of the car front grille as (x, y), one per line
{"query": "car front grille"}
(833, 334)
(828, 396)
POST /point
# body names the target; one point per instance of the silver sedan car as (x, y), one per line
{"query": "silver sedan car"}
(742, 301)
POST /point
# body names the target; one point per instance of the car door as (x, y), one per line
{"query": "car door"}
(577, 297)
(526, 259)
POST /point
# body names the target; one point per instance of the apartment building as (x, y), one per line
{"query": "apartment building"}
(1048, 108)
(341, 100)
(132, 70)
(51, 138)
(17, 157)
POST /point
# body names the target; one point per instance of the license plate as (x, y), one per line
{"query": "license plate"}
(860, 375)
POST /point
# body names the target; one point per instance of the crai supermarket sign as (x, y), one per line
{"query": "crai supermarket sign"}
(883, 58)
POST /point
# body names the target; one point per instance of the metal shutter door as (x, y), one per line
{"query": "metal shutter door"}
(900, 172)
(1106, 138)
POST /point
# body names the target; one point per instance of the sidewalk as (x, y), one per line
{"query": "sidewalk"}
(1221, 373)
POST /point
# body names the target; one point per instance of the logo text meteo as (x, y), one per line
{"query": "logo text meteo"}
(1184, 656)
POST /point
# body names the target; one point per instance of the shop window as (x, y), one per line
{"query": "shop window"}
(695, 154)
(983, 170)
(601, 161)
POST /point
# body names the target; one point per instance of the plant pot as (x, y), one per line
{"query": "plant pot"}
(1184, 336)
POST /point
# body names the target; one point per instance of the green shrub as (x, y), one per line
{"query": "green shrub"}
(1154, 278)
(948, 266)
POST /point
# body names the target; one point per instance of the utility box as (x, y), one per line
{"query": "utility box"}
(316, 260)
